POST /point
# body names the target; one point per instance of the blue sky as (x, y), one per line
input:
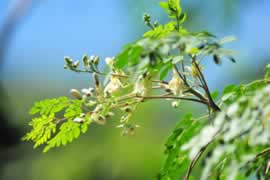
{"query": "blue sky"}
(55, 29)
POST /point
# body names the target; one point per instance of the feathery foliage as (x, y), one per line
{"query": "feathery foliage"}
(231, 141)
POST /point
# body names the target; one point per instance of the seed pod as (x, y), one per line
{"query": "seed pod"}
(76, 94)
(216, 59)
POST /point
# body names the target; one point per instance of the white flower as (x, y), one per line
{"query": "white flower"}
(142, 86)
(109, 61)
(176, 84)
(113, 86)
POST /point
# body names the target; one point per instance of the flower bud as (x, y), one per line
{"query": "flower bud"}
(101, 120)
(110, 114)
(68, 60)
(78, 120)
(109, 61)
(92, 59)
(76, 94)
(85, 60)
(127, 109)
(146, 18)
(156, 24)
(129, 129)
(175, 104)
(87, 92)
(82, 115)
(76, 64)
(96, 60)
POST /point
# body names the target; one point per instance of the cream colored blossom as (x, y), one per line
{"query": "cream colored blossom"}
(113, 86)
(109, 61)
(142, 86)
(176, 84)
(193, 71)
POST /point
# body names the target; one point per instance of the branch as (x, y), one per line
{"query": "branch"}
(191, 90)
(171, 97)
(197, 157)
(212, 104)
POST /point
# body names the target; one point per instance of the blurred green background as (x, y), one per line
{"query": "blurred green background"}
(32, 69)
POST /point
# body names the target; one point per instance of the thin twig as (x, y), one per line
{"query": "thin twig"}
(197, 157)
(171, 97)
(207, 91)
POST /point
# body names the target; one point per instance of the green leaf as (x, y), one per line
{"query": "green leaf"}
(160, 31)
(68, 132)
(49, 106)
(205, 34)
(229, 89)
(215, 95)
(182, 18)
(129, 56)
(177, 161)
(165, 70)
(165, 6)
(267, 71)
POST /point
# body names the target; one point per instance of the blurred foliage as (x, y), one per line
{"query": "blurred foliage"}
(235, 130)
(141, 162)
